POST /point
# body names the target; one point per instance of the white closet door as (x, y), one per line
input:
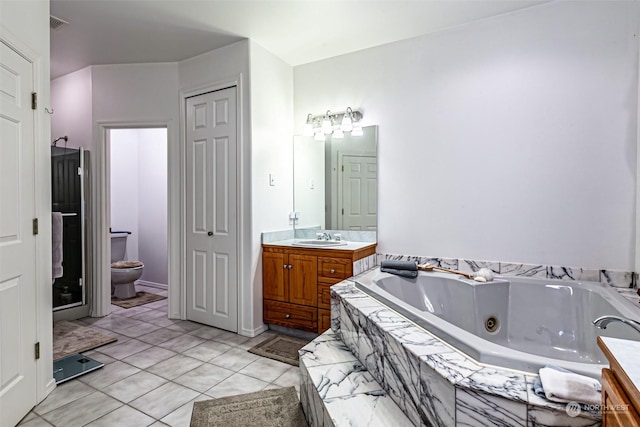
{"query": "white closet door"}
(17, 242)
(212, 229)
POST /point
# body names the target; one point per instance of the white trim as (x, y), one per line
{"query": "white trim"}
(102, 216)
(636, 256)
(152, 284)
(253, 332)
(232, 81)
(45, 383)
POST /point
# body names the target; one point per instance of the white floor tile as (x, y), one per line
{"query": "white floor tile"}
(175, 366)
(124, 416)
(134, 386)
(204, 377)
(236, 384)
(82, 411)
(164, 400)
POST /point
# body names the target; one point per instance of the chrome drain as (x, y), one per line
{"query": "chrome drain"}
(491, 324)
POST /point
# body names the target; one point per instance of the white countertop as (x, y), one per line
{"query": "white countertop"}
(349, 246)
(626, 353)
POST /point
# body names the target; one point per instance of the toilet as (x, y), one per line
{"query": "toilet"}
(123, 273)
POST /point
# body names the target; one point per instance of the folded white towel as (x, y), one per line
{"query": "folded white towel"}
(56, 245)
(567, 387)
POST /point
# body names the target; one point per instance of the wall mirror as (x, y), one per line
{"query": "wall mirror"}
(335, 181)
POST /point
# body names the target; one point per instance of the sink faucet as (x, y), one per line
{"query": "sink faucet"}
(602, 322)
(326, 236)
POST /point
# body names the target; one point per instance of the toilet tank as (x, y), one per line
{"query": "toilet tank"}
(118, 246)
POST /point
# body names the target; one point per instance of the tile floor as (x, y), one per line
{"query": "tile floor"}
(156, 370)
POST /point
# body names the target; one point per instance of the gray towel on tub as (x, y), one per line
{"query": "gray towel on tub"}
(400, 265)
(402, 273)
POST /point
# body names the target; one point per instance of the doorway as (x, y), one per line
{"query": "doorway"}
(138, 204)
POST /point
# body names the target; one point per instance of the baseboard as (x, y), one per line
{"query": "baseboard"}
(253, 332)
(152, 284)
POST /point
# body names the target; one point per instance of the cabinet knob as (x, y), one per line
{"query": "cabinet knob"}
(332, 271)
(284, 266)
(289, 266)
(287, 316)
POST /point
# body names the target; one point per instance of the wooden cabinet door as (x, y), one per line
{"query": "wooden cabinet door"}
(275, 275)
(303, 280)
(618, 409)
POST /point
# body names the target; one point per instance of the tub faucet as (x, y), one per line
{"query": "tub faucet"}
(602, 322)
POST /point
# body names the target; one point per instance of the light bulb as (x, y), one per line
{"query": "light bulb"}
(337, 133)
(347, 124)
(319, 136)
(357, 130)
(307, 130)
(327, 126)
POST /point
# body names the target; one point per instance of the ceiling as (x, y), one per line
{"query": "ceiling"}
(300, 31)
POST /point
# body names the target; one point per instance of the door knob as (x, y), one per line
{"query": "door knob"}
(210, 233)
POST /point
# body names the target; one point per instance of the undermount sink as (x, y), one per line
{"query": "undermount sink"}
(319, 243)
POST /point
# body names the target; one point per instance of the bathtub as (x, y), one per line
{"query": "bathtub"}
(518, 323)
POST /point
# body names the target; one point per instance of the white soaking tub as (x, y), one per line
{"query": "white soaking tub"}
(513, 322)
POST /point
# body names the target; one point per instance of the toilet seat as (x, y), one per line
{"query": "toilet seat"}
(126, 264)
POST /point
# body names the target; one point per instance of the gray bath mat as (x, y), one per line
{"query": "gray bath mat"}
(69, 338)
(268, 408)
(141, 298)
(280, 347)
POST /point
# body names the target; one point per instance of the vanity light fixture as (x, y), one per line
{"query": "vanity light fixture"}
(327, 123)
(347, 121)
(335, 124)
(307, 130)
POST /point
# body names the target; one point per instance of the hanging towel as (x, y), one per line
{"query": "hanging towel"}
(56, 245)
(564, 386)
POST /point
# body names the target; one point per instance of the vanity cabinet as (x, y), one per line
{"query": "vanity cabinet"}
(296, 283)
(620, 395)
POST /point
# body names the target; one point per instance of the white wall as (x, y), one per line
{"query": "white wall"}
(139, 197)
(152, 208)
(25, 24)
(125, 187)
(271, 153)
(71, 99)
(510, 139)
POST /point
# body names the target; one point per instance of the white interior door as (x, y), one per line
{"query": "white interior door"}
(357, 203)
(212, 231)
(17, 242)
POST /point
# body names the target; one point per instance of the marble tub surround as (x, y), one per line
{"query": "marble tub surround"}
(616, 278)
(431, 382)
(337, 390)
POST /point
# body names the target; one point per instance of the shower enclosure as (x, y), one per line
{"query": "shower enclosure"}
(69, 190)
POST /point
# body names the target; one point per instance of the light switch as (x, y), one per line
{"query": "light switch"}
(312, 184)
(272, 180)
